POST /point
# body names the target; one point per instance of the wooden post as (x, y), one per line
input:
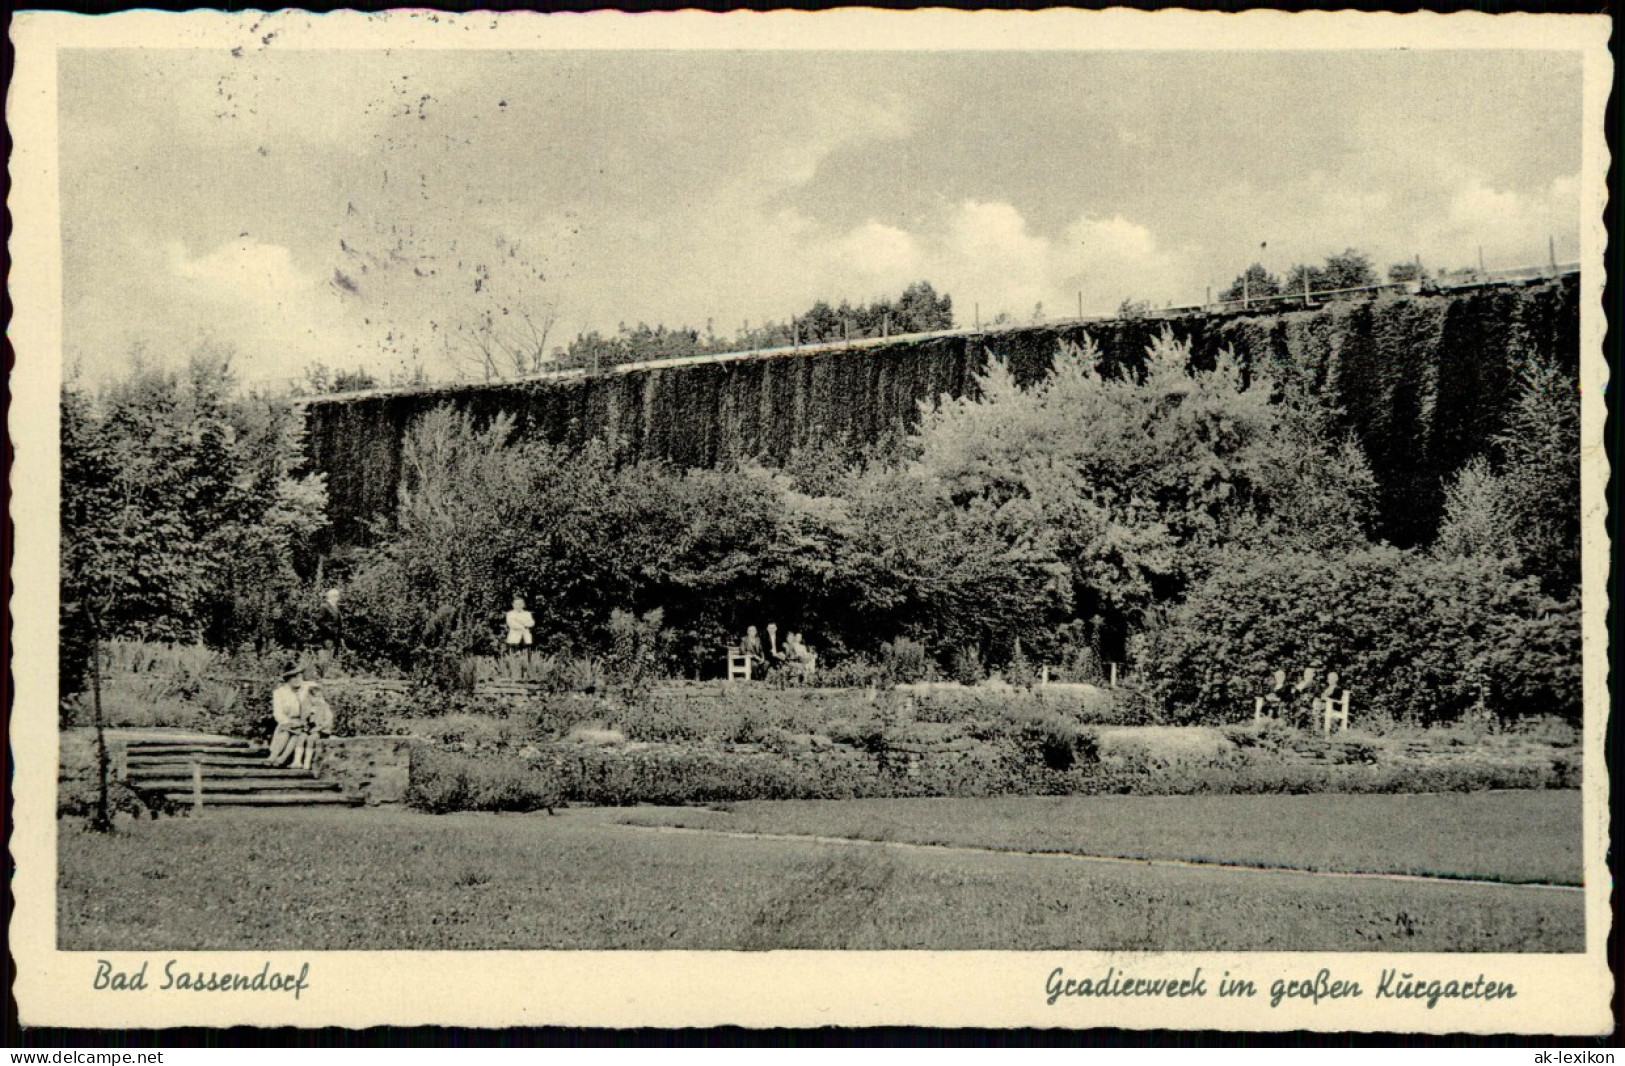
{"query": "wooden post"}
(1114, 674)
(1246, 290)
(197, 786)
(1551, 251)
(1080, 303)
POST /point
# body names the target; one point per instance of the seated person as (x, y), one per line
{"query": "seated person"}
(1275, 698)
(1330, 691)
(292, 728)
(318, 717)
(1303, 695)
(802, 658)
(752, 646)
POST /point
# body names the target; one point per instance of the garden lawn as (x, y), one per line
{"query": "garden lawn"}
(391, 879)
(1526, 836)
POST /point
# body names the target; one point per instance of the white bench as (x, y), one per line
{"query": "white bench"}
(740, 662)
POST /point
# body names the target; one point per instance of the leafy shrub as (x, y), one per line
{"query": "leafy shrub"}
(1019, 672)
(1415, 638)
(78, 798)
(751, 729)
(904, 661)
(967, 668)
(1268, 735)
(684, 776)
(555, 715)
(442, 782)
(1059, 743)
(360, 711)
(477, 733)
(240, 709)
(637, 647)
(855, 672)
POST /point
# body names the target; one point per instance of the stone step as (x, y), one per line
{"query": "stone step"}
(184, 770)
(161, 743)
(247, 784)
(234, 773)
(236, 754)
(183, 753)
(271, 799)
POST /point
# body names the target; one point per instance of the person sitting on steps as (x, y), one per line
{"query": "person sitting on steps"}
(318, 717)
(288, 742)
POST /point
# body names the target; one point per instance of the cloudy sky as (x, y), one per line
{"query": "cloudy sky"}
(355, 208)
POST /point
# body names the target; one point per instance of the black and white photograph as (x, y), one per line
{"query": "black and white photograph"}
(1084, 505)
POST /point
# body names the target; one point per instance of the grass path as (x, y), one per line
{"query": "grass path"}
(1111, 860)
(398, 880)
(1514, 837)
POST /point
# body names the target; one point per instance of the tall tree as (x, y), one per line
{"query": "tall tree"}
(1253, 283)
(1139, 482)
(1348, 269)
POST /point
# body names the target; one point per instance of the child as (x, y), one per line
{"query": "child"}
(520, 623)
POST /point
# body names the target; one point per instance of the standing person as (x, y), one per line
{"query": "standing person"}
(520, 622)
(287, 744)
(329, 632)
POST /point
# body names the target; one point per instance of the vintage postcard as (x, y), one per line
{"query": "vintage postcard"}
(957, 519)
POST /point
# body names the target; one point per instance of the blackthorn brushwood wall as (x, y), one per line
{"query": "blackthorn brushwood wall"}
(1423, 382)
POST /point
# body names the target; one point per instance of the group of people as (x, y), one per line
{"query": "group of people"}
(302, 714)
(1297, 700)
(303, 718)
(796, 654)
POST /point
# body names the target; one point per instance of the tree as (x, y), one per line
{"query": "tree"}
(1523, 508)
(1409, 270)
(1541, 446)
(1477, 516)
(180, 512)
(592, 351)
(321, 379)
(921, 310)
(1349, 269)
(430, 590)
(1254, 283)
(1139, 484)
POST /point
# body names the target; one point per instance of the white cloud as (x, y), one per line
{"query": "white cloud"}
(245, 270)
(1512, 227)
(876, 250)
(983, 253)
